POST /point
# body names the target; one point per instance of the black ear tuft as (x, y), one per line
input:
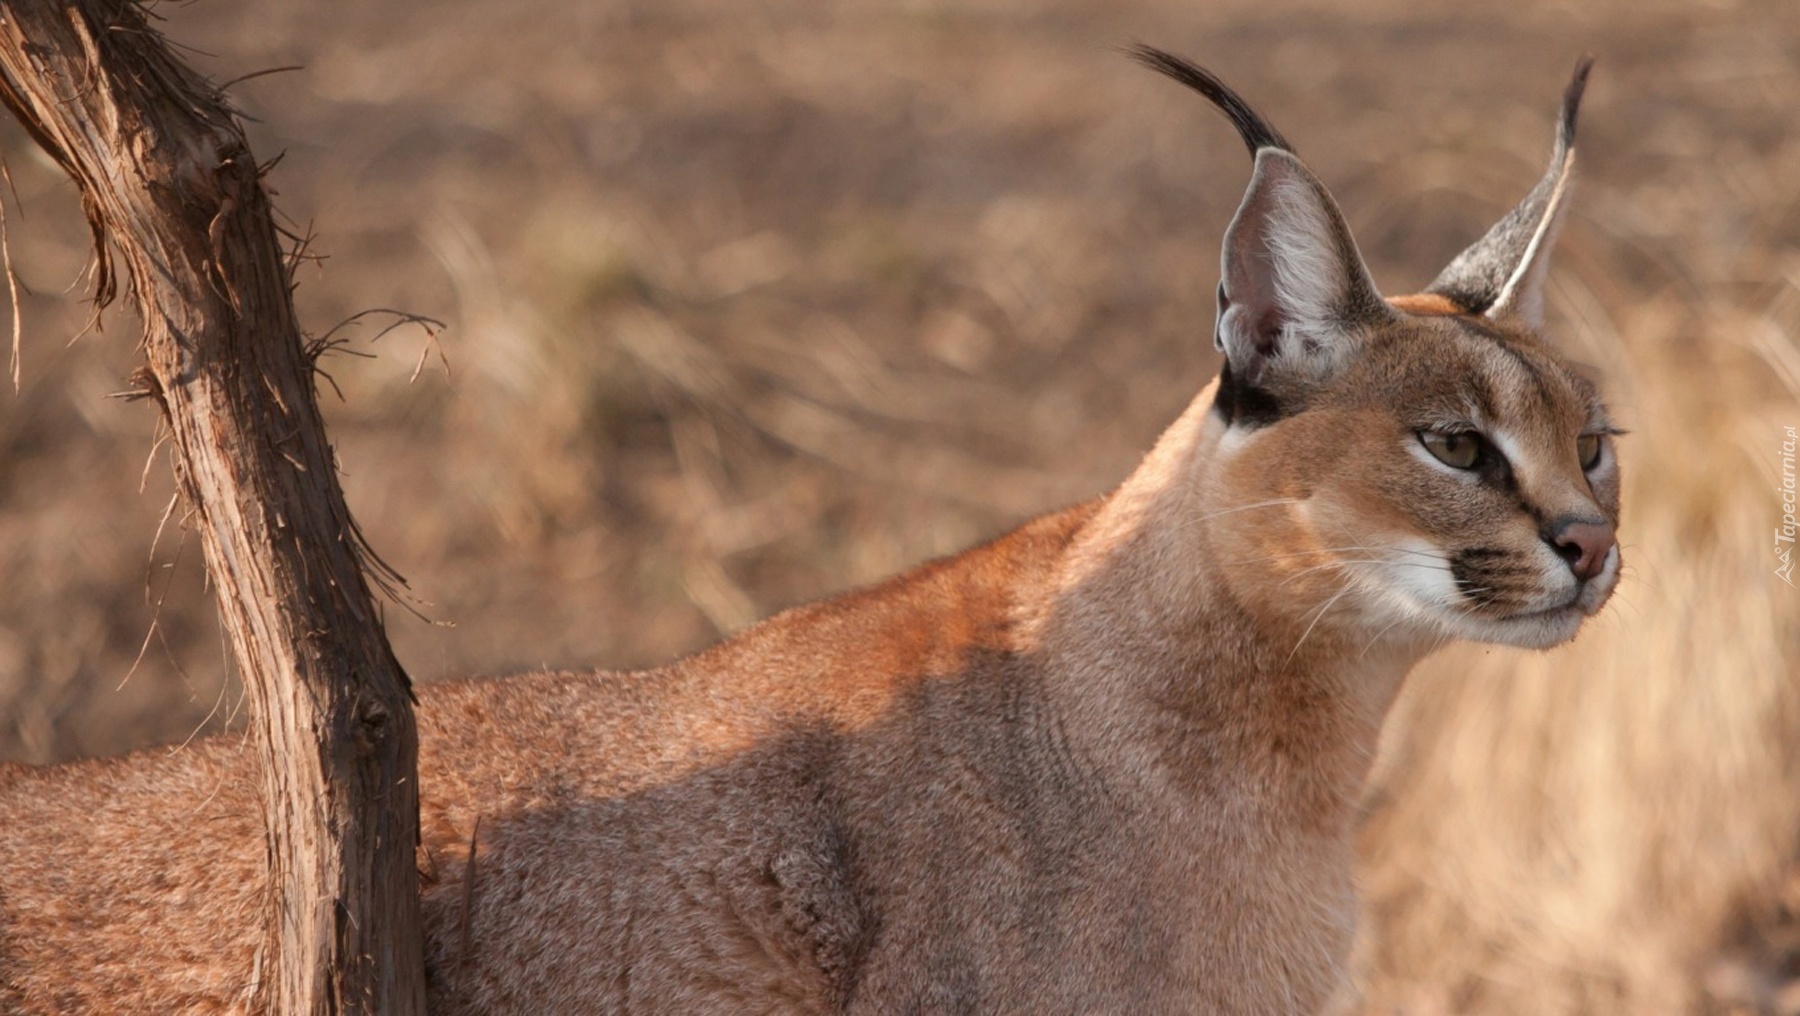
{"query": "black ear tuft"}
(1256, 132)
(1571, 104)
(1295, 298)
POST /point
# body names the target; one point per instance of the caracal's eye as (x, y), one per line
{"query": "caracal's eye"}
(1588, 447)
(1457, 450)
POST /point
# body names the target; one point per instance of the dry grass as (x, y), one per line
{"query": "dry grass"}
(751, 303)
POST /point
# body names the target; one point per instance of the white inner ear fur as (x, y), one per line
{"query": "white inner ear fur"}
(1309, 275)
(1287, 261)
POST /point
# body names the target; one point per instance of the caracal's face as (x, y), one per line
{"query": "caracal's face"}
(1458, 479)
(1424, 466)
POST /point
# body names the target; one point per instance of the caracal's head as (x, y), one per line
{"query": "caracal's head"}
(1426, 465)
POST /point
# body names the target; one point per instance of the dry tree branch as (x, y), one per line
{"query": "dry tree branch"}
(170, 188)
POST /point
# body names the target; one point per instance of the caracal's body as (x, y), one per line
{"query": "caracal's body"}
(1106, 764)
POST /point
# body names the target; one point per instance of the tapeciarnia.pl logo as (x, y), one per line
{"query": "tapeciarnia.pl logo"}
(1784, 533)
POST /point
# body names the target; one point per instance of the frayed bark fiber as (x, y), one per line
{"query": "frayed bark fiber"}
(174, 199)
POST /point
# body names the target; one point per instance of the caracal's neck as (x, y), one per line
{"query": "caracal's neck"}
(1148, 637)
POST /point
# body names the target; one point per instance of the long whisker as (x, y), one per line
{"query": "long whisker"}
(1315, 623)
(1274, 503)
(1475, 598)
(1388, 628)
(1201, 520)
(1333, 550)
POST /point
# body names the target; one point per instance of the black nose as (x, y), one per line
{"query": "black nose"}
(1584, 544)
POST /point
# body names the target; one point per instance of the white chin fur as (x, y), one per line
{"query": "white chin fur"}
(1429, 594)
(1552, 627)
(1532, 631)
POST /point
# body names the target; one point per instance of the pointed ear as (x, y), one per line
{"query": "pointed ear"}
(1503, 274)
(1294, 296)
(1294, 291)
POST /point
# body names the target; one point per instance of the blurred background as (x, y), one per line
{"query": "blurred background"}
(749, 303)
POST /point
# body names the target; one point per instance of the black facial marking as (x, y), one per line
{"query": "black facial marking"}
(1245, 405)
(1494, 470)
(1479, 327)
(1240, 402)
(1224, 305)
(1525, 364)
(1492, 578)
(1542, 379)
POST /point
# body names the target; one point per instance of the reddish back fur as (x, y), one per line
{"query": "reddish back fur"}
(1106, 763)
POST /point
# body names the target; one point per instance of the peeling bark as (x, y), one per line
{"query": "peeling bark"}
(170, 189)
